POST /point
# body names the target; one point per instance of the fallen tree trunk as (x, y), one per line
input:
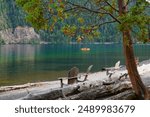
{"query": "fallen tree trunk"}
(126, 95)
(61, 92)
(87, 91)
(49, 95)
(101, 92)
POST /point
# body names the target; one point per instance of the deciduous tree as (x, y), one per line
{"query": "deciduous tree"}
(129, 15)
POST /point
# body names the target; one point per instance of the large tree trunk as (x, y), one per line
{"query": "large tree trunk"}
(136, 81)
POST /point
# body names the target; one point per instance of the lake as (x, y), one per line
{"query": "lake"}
(21, 64)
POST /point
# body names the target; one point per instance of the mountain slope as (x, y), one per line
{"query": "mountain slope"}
(13, 27)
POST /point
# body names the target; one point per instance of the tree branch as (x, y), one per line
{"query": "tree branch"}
(90, 10)
(111, 6)
(84, 8)
(114, 18)
(109, 22)
(70, 9)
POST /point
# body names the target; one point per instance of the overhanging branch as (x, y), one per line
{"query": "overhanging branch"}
(84, 8)
(109, 22)
(111, 6)
(76, 6)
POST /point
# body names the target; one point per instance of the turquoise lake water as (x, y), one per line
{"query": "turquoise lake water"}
(21, 64)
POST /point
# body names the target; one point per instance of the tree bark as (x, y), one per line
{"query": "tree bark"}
(135, 78)
(103, 92)
(87, 91)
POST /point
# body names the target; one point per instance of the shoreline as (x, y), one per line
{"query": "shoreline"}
(50, 83)
(18, 91)
(94, 74)
(72, 43)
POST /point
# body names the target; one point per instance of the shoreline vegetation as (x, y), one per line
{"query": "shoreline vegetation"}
(93, 88)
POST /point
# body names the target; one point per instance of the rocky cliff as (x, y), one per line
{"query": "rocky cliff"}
(19, 35)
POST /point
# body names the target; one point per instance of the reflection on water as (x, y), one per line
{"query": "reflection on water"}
(31, 63)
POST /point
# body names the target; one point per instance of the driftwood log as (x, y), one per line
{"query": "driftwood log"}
(88, 90)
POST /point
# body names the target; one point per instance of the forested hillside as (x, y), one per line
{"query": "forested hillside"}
(12, 17)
